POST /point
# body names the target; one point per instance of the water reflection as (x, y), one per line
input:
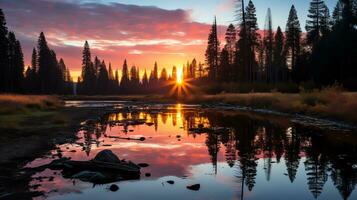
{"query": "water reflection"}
(257, 158)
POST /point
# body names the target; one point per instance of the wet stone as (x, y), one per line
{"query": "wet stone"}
(113, 188)
(194, 187)
(143, 165)
(171, 182)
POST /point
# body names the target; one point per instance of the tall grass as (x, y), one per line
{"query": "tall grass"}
(20, 103)
(331, 102)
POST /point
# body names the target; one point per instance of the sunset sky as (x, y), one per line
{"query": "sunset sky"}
(142, 31)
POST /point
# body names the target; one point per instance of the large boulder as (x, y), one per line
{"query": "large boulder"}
(106, 156)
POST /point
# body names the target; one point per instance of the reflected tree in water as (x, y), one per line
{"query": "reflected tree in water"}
(292, 152)
(316, 167)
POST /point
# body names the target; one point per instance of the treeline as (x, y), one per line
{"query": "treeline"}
(47, 75)
(97, 78)
(326, 54)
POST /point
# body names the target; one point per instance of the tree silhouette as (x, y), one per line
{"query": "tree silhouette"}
(88, 72)
(279, 60)
(3, 53)
(212, 52)
(318, 23)
(16, 65)
(271, 70)
(292, 157)
(293, 39)
(125, 80)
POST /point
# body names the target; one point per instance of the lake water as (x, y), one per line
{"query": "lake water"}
(260, 157)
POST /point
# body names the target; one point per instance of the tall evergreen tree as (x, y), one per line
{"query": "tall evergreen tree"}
(293, 39)
(337, 12)
(3, 53)
(88, 71)
(231, 40)
(212, 52)
(125, 79)
(246, 63)
(103, 79)
(46, 66)
(224, 72)
(163, 76)
(279, 57)
(16, 65)
(317, 24)
(145, 82)
(271, 70)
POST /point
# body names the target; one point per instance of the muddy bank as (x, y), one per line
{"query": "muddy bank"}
(33, 137)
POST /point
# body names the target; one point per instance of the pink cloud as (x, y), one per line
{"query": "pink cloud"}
(115, 31)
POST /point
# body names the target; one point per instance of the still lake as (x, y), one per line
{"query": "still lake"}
(260, 157)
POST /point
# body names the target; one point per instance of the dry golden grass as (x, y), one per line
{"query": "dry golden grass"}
(20, 103)
(330, 102)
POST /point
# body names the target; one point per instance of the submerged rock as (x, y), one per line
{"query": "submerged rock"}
(113, 188)
(106, 156)
(171, 182)
(90, 176)
(194, 187)
(143, 165)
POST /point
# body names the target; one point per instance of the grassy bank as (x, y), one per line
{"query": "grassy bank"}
(327, 103)
(31, 125)
(19, 112)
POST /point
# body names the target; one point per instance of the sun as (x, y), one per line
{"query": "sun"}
(179, 78)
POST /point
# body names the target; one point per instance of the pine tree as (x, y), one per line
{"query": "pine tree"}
(224, 72)
(145, 82)
(246, 64)
(97, 65)
(212, 52)
(163, 76)
(88, 71)
(16, 65)
(125, 80)
(268, 42)
(4, 63)
(318, 22)
(156, 72)
(253, 39)
(227, 56)
(45, 66)
(337, 13)
(278, 56)
(103, 79)
(231, 40)
(293, 38)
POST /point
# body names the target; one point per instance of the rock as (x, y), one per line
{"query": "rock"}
(178, 136)
(106, 145)
(147, 174)
(142, 138)
(194, 187)
(107, 156)
(143, 165)
(90, 176)
(72, 151)
(171, 182)
(149, 123)
(113, 188)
